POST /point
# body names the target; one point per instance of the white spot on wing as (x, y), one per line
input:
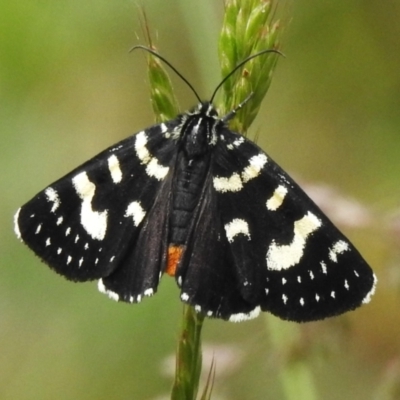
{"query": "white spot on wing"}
(39, 227)
(48, 242)
(140, 147)
(184, 296)
(16, 226)
(135, 211)
(59, 220)
(338, 248)
(239, 317)
(149, 292)
(52, 197)
(276, 200)
(302, 301)
(284, 298)
(286, 256)
(253, 170)
(154, 168)
(94, 222)
(323, 266)
(234, 183)
(369, 295)
(235, 227)
(69, 259)
(114, 168)
(238, 142)
(231, 184)
(112, 295)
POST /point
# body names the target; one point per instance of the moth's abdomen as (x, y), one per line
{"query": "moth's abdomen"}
(188, 184)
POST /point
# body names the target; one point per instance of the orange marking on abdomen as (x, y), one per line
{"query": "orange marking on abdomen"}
(174, 256)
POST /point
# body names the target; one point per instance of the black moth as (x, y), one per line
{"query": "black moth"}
(192, 198)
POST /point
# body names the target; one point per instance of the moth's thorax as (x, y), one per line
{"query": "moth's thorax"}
(198, 130)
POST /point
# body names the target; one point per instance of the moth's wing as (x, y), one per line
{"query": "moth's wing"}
(287, 255)
(206, 273)
(87, 224)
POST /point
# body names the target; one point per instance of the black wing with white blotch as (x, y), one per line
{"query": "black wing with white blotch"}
(284, 254)
(107, 218)
(195, 200)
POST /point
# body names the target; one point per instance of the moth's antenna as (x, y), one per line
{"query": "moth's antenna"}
(246, 60)
(169, 65)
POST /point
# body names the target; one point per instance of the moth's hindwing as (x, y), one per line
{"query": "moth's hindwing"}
(287, 257)
(86, 224)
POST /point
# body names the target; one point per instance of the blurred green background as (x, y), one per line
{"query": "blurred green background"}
(69, 88)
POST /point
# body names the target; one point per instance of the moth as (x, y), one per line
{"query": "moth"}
(205, 205)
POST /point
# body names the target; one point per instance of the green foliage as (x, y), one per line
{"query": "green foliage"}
(247, 29)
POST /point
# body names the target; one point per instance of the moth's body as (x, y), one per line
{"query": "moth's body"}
(196, 137)
(193, 199)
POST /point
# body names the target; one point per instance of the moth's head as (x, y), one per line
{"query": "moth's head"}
(205, 109)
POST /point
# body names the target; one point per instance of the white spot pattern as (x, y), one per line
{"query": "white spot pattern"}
(323, 266)
(184, 296)
(16, 226)
(235, 227)
(235, 182)
(154, 168)
(369, 295)
(52, 197)
(136, 211)
(94, 222)
(114, 168)
(338, 248)
(286, 256)
(276, 200)
(112, 295)
(239, 317)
